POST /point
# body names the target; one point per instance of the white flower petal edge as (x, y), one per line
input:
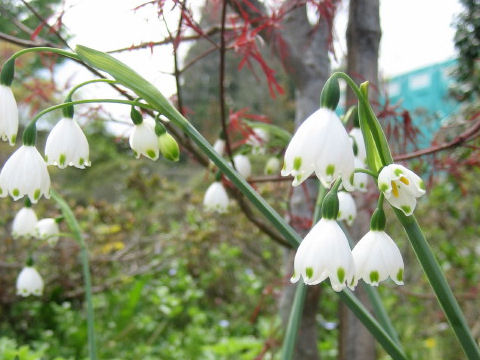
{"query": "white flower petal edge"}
(325, 253)
(29, 282)
(67, 145)
(360, 180)
(347, 209)
(335, 156)
(144, 141)
(219, 146)
(302, 151)
(243, 166)
(401, 187)
(8, 115)
(47, 229)
(377, 257)
(24, 223)
(357, 137)
(25, 173)
(216, 198)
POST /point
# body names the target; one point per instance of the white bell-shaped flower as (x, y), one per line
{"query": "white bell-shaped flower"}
(401, 187)
(216, 198)
(243, 166)
(360, 179)
(47, 229)
(347, 209)
(321, 144)
(377, 257)
(257, 140)
(67, 145)
(24, 223)
(359, 142)
(272, 166)
(325, 253)
(219, 146)
(8, 115)
(25, 173)
(29, 282)
(144, 141)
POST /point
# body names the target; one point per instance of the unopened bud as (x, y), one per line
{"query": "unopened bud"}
(169, 147)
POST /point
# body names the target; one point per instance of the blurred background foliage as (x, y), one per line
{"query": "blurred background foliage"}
(173, 282)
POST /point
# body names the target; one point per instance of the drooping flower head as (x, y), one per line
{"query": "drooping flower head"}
(24, 223)
(325, 251)
(29, 282)
(377, 257)
(243, 166)
(143, 139)
(257, 140)
(272, 166)
(321, 145)
(347, 209)
(216, 198)
(47, 229)
(360, 180)
(8, 115)
(25, 174)
(219, 146)
(67, 145)
(401, 187)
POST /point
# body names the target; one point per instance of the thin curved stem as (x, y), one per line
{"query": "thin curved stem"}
(78, 236)
(78, 86)
(367, 171)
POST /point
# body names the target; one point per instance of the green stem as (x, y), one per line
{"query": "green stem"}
(372, 325)
(294, 319)
(77, 234)
(439, 284)
(367, 171)
(76, 87)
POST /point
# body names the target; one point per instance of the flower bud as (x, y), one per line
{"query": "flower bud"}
(330, 205)
(272, 166)
(169, 147)
(330, 94)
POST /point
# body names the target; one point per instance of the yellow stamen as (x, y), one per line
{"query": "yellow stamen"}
(404, 180)
(394, 189)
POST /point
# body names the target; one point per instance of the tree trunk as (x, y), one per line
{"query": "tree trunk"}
(363, 38)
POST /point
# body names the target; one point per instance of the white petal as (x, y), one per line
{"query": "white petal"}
(347, 209)
(357, 136)
(29, 282)
(360, 180)
(216, 198)
(144, 141)
(219, 146)
(377, 257)
(25, 173)
(67, 145)
(24, 223)
(243, 166)
(8, 115)
(47, 229)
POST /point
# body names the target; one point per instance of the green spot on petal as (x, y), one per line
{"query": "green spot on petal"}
(406, 209)
(330, 170)
(62, 159)
(362, 185)
(16, 192)
(36, 194)
(341, 274)
(374, 276)
(309, 272)
(1, 191)
(13, 139)
(298, 178)
(284, 167)
(81, 161)
(383, 187)
(339, 214)
(151, 154)
(400, 275)
(398, 172)
(297, 163)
